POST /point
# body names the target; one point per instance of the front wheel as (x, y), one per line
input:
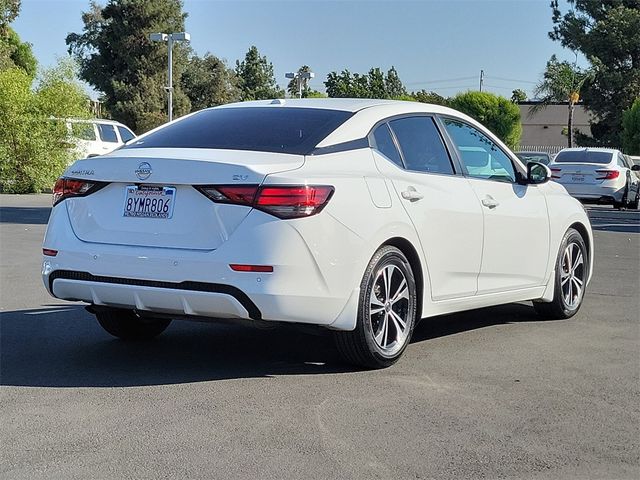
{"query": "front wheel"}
(570, 279)
(386, 312)
(125, 324)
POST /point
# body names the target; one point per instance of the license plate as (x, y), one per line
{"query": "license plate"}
(577, 178)
(143, 201)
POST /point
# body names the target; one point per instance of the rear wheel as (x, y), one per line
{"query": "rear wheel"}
(386, 312)
(634, 203)
(624, 202)
(125, 324)
(571, 279)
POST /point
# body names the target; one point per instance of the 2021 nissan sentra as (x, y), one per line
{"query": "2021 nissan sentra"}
(361, 216)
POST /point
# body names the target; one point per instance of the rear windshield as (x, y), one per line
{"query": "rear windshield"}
(265, 129)
(583, 156)
(533, 157)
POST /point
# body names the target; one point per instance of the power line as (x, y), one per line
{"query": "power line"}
(444, 80)
(510, 79)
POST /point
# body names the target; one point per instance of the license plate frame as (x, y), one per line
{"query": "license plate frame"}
(149, 201)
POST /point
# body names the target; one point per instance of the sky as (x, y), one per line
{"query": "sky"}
(438, 45)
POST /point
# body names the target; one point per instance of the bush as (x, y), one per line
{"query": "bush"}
(34, 148)
(498, 114)
(631, 129)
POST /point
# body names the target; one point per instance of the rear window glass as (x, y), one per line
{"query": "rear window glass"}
(83, 131)
(583, 156)
(527, 157)
(265, 129)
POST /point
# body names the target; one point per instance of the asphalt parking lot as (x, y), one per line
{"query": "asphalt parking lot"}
(492, 393)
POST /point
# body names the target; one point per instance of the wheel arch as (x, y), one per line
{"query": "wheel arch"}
(409, 251)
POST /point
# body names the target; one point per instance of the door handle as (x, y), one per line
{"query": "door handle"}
(412, 194)
(490, 202)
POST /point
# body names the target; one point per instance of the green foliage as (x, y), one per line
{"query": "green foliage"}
(518, 96)
(631, 129)
(497, 113)
(560, 81)
(316, 94)
(608, 34)
(117, 58)
(424, 96)
(9, 10)
(15, 53)
(33, 144)
(255, 77)
(208, 82)
(374, 84)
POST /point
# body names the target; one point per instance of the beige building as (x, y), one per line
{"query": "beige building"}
(545, 127)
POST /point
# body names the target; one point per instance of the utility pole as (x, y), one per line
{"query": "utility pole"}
(301, 79)
(170, 38)
(481, 79)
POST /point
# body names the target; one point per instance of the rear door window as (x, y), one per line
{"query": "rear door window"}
(125, 134)
(422, 147)
(107, 133)
(386, 145)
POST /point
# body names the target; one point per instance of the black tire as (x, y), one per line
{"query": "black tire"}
(559, 308)
(634, 204)
(126, 325)
(360, 347)
(624, 202)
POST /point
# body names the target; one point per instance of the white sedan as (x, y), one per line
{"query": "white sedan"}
(598, 175)
(361, 216)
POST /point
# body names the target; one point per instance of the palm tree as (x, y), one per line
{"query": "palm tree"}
(561, 82)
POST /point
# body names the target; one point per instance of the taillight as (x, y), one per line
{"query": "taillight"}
(282, 201)
(70, 187)
(607, 174)
(555, 170)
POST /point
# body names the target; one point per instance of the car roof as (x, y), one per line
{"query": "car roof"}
(96, 120)
(532, 152)
(343, 104)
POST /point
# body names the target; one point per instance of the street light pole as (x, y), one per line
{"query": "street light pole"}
(300, 78)
(170, 38)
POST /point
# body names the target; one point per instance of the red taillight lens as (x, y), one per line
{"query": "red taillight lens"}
(607, 174)
(69, 187)
(282, 201)
(49, 252)
(554, 171)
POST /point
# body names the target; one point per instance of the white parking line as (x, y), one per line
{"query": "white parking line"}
(43, 312)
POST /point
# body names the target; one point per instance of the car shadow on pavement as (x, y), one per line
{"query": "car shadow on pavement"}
(25, 215)
(63, 346)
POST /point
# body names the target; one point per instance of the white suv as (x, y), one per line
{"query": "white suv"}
(97, 136)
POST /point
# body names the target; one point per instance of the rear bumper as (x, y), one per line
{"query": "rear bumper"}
(184, 283)
(595, 193)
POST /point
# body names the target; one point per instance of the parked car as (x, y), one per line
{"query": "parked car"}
(97, 136)
(540, 157)
(598, 175)
(360, 216)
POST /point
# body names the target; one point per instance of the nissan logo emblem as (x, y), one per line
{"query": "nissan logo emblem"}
(143, 171)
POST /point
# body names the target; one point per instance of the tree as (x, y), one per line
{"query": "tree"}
(631, 129)
(208, 82)
(255, 77)
(9, 10)
(607, 32)
(117, 58)
(561, 82)
(498, 114)
(34, 148)
(15, 53)
(374, 84)
(518, 96)
(424, 96)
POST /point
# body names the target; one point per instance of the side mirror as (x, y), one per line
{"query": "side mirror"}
(635, 167)
(537, 173)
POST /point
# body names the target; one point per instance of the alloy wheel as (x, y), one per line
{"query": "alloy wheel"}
(389, 309)
(573, 275)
